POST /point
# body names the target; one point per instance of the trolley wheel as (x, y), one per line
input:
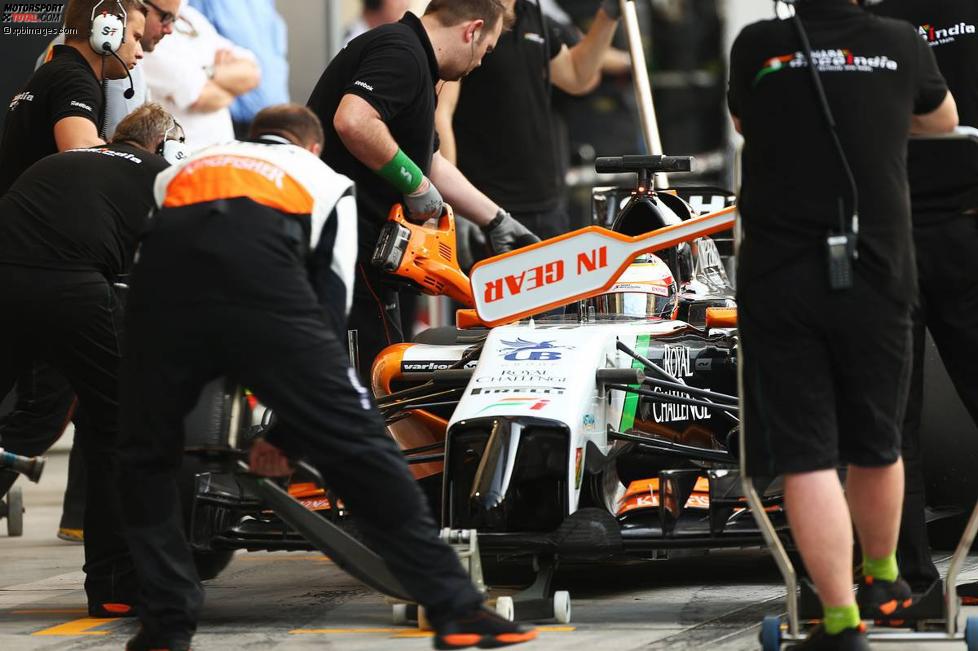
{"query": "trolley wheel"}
(971, 633)
(505, 608)
(562, 607)
(15, 511)
(399, 614)
(771, 633)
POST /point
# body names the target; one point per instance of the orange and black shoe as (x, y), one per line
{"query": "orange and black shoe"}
(881, 601)
(968, 592)
(108, 610)
(850, 639)
(142, 641)
(482, 628)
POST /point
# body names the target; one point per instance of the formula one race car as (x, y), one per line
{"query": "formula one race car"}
(601, 429)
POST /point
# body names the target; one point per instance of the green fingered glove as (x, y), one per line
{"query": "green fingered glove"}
(505, 234)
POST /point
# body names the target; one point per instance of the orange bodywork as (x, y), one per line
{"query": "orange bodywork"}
(721, 317)
(644, 494)
(311, 496)
(421, 427)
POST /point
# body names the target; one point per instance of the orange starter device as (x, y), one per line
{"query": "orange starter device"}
(424, 255)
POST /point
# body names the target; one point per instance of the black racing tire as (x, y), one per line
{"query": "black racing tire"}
(210, 563)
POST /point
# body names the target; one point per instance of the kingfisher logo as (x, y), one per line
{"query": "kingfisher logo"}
(530, 404)
(522, 350)
(945, 35)
(844, 60)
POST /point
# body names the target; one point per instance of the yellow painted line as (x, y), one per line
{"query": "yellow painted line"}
(50, 611)
(413, 633)
(343, 631)
(81, 626)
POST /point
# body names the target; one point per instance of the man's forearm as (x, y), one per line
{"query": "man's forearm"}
(237, 77)
(363, 133)
(446, 137)
(460, 194)
(589, 54)
(212, 98)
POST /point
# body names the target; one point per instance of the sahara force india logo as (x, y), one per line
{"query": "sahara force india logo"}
(945, 35)
(827, 61)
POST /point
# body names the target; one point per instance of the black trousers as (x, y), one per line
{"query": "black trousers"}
(296, 365)
(72, 321)
(947, 263)
(45, 403)
(375, 315)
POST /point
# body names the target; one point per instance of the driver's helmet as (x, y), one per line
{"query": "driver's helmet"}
(646, 290)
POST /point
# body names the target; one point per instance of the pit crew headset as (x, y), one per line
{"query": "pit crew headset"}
(841, 245)
(174, 150)
(108, 33)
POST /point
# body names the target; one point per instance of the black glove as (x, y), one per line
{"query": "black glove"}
(505, 234)
(612, 8)
(424, 204)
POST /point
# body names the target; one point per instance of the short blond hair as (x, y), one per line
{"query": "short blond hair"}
(146, 126)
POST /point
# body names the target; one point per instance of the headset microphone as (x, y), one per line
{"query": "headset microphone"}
(107, 34)
(129, 92)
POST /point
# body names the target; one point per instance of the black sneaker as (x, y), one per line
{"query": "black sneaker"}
(484, 629)
(883, 600)
(851, 639)
(968, 592)
(144, 642)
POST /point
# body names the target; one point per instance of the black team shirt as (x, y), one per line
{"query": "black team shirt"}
(63, 87)
(503, 124)
(393, 68)
(944, 176)
(877, 72)
(80, 210)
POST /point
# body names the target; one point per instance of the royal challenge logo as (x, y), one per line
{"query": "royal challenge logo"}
(833, 60)
(522, 350)
(945, 35)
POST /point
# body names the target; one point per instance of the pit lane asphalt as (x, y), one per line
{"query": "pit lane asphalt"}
(301, 601)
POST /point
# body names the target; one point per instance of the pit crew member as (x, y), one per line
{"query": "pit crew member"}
(819, 391)
(944, 198)
(69, 229)
(61, 105)
(376, 100)
(160, 17)
(508, 99)
(248, 236)
(45, 402)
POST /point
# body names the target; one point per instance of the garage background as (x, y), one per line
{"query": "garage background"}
(686, 43)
